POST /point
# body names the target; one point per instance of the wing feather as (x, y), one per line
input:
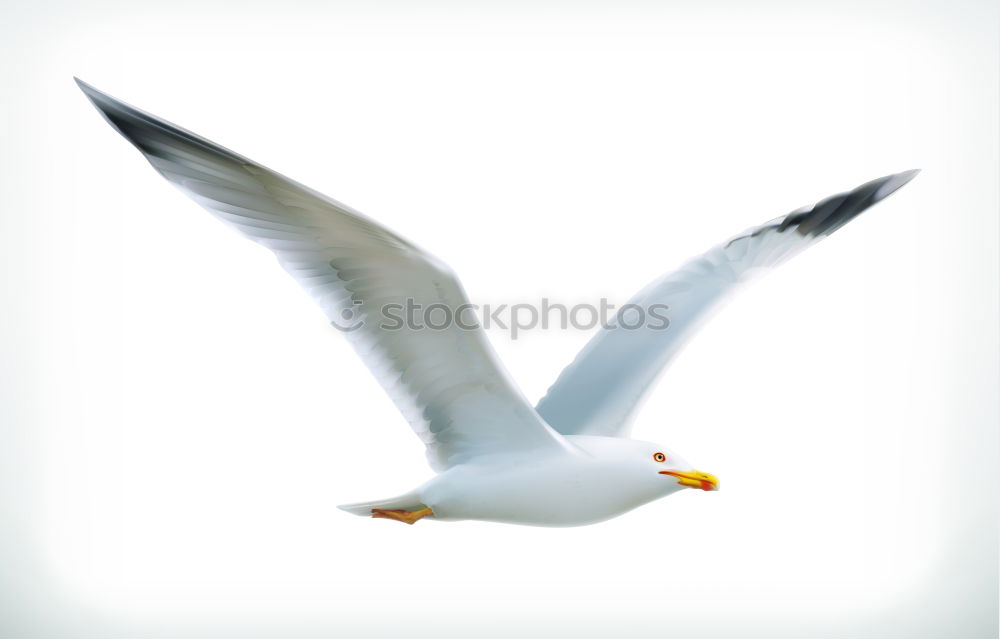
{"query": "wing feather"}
(448, 383)
(599, 392)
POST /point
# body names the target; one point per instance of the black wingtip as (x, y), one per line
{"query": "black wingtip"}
(95, 95)
(832, 213)
(892, 183)
(110, 107)
(145, 130)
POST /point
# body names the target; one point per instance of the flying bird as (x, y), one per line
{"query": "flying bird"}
(567, 461)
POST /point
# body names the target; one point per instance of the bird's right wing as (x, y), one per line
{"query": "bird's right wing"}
(447, 381)
(598, 393)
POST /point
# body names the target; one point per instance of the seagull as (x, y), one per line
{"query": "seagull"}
(568, 461)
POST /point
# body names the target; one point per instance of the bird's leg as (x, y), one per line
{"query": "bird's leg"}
(405, 516)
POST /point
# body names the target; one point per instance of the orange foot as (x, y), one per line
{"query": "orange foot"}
(405, 516)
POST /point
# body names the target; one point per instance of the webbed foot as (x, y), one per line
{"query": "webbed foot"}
(405, 516)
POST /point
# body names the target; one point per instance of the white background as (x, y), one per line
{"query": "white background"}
(179, 421)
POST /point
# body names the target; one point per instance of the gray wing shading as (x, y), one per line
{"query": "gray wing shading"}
(448, 383)
(598, 393)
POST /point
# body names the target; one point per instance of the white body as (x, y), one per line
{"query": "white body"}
(596, 478)
(605, 479)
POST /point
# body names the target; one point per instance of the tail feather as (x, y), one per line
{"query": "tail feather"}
(409, 501)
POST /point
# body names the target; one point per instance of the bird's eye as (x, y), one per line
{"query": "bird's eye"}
(660, 457)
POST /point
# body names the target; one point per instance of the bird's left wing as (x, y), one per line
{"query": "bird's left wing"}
(598, 393)
(447, 380)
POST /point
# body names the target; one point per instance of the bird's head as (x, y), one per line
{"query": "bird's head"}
(673, 468)
(658, 470)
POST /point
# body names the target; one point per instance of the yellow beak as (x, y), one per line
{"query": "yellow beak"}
(694, 479)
